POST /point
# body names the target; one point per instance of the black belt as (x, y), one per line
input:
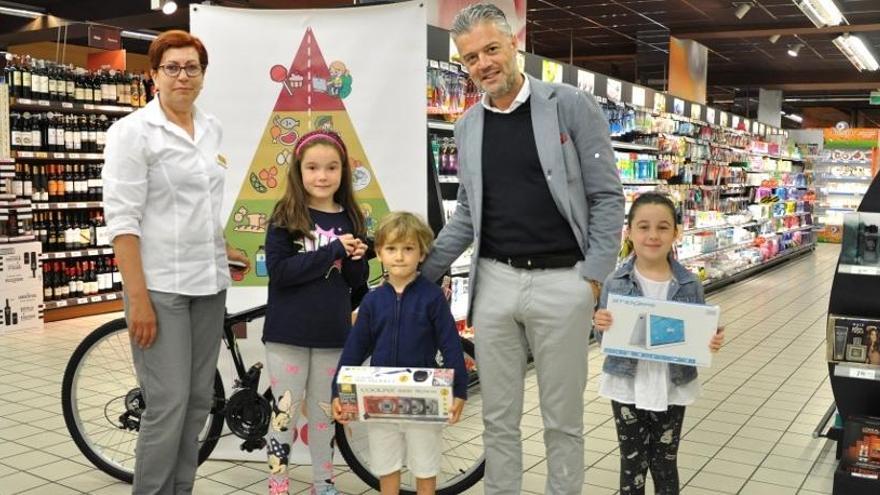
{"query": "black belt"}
(539, 262)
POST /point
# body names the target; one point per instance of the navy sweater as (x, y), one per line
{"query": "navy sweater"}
(310, 284)
(406, 330)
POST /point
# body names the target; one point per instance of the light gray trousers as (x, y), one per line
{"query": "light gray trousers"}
(548, 312)
(176, 375)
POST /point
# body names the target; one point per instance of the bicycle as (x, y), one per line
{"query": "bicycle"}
(102, 404)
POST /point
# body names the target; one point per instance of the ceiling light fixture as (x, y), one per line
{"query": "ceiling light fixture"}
(137, 35)
(795, 117)
(168, 7)
(856, 51)
(821, 12)
(794, 49)
(742, 8)
(775, 38)
(29, 13)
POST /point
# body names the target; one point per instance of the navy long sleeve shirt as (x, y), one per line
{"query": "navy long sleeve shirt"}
(310, 284)
(406, 330)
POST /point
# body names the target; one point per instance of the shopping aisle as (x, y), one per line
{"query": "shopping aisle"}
(750, 432)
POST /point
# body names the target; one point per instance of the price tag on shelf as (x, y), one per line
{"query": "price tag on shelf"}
(25, 154)
(444, 65)
(64, 255)
(25, 101)
(110, 297)
(41, 154)
(42, 206)
(95, 299)
(88, 106)
(82, 300)
(58, 155)
(434, 64)
(92, 252)
(61, 206)
(44, 103)
(863, 373)
(60, 304)
(79, 205)
(74, 156)
(66, 104)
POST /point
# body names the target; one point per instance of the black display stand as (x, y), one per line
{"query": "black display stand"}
(856, 295)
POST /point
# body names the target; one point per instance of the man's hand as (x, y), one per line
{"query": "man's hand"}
(455, 410)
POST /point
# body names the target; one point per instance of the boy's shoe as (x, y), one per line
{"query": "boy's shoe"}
(325, 490)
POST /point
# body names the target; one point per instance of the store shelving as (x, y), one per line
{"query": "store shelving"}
(80, 301)
(67, 107)
(57, 155)
(78, 253)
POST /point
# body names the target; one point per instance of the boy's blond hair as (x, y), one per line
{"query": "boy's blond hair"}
(404, 226)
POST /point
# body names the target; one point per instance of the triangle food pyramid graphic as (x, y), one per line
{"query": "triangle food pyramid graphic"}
(310, 97)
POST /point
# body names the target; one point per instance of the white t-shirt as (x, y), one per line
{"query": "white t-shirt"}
(651, 389)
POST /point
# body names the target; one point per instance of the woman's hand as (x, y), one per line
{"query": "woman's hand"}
(717, 340)
(602, 320)
(233, 254)
(455, 410)
(142, 321)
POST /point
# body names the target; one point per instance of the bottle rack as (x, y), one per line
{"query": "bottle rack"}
(92, 260)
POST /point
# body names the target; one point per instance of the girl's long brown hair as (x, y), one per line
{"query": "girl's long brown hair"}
(292, 210)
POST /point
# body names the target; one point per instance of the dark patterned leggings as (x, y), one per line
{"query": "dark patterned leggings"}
(648, 440)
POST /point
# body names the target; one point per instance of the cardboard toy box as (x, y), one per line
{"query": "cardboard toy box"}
(395, 394)
(853, 339)
(657, 330)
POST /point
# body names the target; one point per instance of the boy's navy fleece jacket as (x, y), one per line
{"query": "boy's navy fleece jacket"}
(406, 330)
(310, 284)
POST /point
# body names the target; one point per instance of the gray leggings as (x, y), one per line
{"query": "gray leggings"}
(297, 374)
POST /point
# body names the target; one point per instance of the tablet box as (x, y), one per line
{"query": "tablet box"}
(657, 330)
(395, 394)
(853, 339)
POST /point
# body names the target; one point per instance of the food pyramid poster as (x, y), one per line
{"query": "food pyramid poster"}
(310, 96)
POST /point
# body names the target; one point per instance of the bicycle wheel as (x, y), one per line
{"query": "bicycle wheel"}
(102, 402)
(462, 462)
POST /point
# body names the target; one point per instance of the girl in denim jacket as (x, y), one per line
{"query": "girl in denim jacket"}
(648, 398)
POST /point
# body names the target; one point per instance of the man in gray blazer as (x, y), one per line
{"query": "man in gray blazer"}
(541, 200)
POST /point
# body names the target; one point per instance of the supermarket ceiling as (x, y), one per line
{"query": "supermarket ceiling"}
(628, 39)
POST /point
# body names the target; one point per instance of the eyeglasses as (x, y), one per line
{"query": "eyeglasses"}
(173, 70)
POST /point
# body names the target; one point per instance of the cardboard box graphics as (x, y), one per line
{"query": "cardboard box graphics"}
(657, 330)
(853, 339)
(395, 394)
(860, 455)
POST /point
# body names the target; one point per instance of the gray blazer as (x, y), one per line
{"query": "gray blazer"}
(574, 148)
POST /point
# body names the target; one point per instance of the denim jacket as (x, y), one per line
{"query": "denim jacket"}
(684, 287)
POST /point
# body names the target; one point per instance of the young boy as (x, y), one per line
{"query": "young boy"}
(404, 323)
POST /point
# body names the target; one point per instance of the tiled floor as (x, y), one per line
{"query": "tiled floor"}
(749, 433)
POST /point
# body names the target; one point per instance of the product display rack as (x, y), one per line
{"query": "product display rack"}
(856, 386)
(842, 178)
(71, 116)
